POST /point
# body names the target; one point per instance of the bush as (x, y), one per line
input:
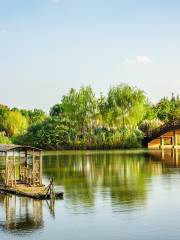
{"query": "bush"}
(4, 140)
(134, 140)
(147, 126)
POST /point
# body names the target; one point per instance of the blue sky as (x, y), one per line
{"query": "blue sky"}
(49, 46)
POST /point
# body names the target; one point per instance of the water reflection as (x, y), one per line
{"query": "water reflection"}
(21, 214)
(168, 158)
(122, 176)
(118, 181)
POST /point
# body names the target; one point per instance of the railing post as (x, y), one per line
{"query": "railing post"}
(6, 172)
(40, 168)
(162, 142)
(14, 165)
(175, 139)
(33, 169)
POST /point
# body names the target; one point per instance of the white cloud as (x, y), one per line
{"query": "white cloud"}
(140, 59)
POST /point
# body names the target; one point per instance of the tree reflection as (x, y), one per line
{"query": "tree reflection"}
(84, 174)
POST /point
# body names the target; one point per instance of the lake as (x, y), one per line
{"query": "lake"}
(109, 195)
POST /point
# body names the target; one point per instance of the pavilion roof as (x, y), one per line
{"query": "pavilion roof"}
(10, 147)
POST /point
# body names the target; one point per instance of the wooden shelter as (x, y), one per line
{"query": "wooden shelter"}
(21, 173)
(20, 165)
(165, 137)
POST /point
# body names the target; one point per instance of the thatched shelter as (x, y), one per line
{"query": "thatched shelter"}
(20, 164)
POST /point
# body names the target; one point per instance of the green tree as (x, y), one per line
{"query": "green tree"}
(4, 140)
(150, 112)
(34, 116)
(78, 106)
(126, 105)
(56, 110)
(163, 109)
(14, 123)
(82, 121)
(3, 113)
(53, 133)
(168, 109)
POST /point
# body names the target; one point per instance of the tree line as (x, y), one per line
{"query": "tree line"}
(83, 121)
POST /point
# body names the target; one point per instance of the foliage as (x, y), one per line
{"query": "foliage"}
(14, 123)
(83, 121)
(34, 116)
(3, 112)
(168, 109)
(147, 126)
(4, 139)
(52, 133)
(150, 113)
(126, 106)
(79, 107)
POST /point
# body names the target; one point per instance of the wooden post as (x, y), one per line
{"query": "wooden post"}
(6, 172)
(32, 180)
(25, 167)
(20, 177)
(33, 159)
(175, 139)
(14, 165)
(40, 169)
(161, 142)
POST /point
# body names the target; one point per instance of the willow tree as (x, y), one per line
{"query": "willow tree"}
(78, 106)
(126, 106)
(3, 114)
(15, 123)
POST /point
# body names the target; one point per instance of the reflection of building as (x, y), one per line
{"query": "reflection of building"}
(169, 157)
(22, 214)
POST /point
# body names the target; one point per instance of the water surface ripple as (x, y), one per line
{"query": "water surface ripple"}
(109, 195)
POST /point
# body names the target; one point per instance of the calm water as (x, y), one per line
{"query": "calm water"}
(108, 195)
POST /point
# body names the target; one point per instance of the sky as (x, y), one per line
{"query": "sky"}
(50, 46)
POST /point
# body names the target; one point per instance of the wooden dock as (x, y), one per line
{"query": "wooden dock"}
(40, 192)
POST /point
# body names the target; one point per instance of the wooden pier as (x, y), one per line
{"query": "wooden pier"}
(21, 172)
